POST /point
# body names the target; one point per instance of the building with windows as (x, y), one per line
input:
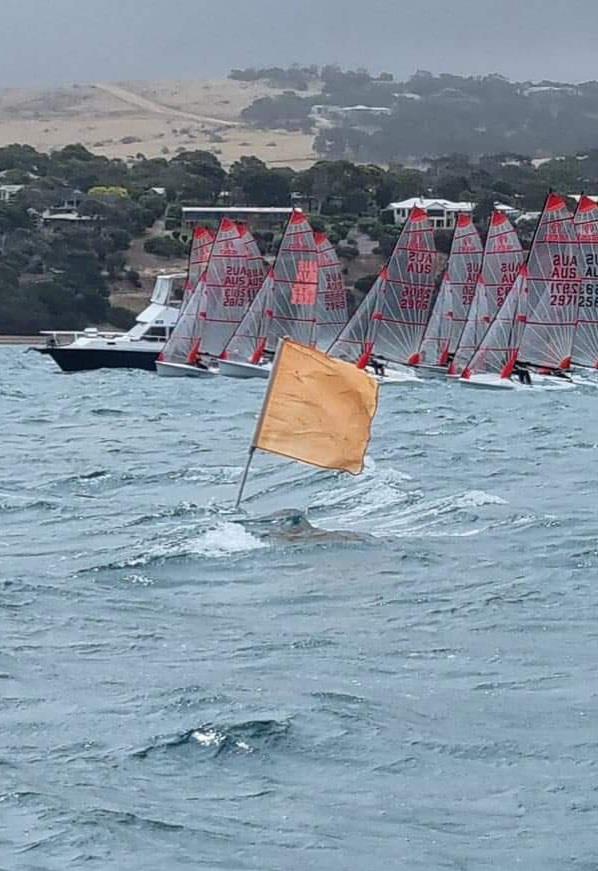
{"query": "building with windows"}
(9, 191)
(442, 213)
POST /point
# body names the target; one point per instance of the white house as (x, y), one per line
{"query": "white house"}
(442, 213)
(9, 191)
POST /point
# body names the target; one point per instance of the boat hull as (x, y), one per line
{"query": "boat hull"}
(73, 359)
(183, 370)
(489, 382)
(236, 369)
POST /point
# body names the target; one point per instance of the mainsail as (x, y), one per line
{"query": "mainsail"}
(199, 255)
(295, 296)
(499, 348)
(230, 283)
(463, 270)
(554, 286)
(356, 341)
(409, 293)
(434, 349)
(226, 285)
(332, 311)
(249, 340)
(585, 347)
(503, 256)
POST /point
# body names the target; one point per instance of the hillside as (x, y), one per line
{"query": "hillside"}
(154, 118)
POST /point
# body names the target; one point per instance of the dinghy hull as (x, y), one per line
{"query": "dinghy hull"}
(182, 370)
(236, 369)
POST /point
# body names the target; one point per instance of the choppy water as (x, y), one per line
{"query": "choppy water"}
(394, 671)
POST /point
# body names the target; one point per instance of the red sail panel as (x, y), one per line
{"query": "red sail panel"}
(499, 348)
(554, 267)
(585, 346)
(332, 309)
(296, 280)
(410, 291)
(464, 265)
(434, 349)
(503, 256)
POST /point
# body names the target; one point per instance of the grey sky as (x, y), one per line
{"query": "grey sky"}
(54, 41)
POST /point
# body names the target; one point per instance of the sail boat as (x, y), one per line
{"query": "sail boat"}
(585, 346)
(216, 307)
(332, 311)
(434, 349)
(201, 245)
(391, 320)
(451, 308)
(503, 257)
(494, 361)
(554, 284)
(286, 305)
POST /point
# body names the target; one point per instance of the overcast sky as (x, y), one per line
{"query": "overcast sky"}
(56, 41)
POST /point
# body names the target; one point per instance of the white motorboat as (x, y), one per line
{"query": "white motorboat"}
(137, 349)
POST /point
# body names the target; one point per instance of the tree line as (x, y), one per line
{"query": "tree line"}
(60, 276)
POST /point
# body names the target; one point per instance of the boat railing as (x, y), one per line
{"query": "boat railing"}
(65, 337)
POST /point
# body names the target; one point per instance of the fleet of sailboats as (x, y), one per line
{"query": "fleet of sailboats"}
(497, 317)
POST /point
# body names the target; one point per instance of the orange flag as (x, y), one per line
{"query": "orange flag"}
(318, 410)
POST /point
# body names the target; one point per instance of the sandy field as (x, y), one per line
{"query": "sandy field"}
(153, 118)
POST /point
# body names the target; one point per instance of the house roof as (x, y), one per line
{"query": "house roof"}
(422, 203)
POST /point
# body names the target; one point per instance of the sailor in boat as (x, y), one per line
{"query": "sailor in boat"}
(379, 366)
(522, 373)
(554, 373)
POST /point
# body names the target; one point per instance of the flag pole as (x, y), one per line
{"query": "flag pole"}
(244, 478)
(258, 427)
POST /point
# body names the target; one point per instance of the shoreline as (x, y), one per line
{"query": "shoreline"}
(21, 340)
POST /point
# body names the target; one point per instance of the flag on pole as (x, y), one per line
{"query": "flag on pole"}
(318, 410)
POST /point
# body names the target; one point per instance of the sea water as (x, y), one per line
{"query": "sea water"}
(391, 671)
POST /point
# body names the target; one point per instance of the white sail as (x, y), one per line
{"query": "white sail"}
(249, 341)
(434, 349)
(231, 280)
(463, 270)
(332, 309)
(201, 245)
(554, 284)
(499, 348)
(356, 340)
(585, 346)
(503, 256)
(409, 293)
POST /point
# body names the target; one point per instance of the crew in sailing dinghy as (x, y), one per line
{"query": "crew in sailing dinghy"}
(225, 291)
(391, 320)
(585, 346)
(503, 256)
(554, 289)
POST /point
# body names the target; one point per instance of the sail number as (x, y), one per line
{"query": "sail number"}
(415, 299)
